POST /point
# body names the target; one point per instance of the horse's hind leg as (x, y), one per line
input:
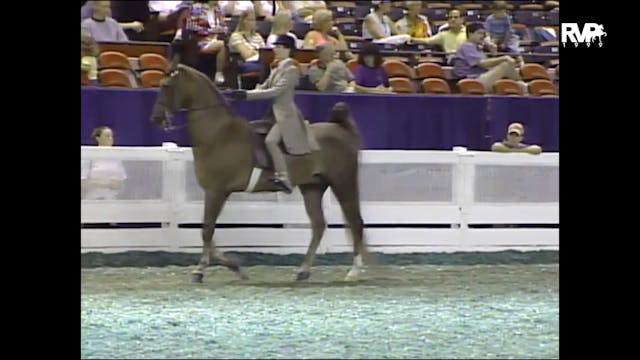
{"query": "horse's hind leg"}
(347, 195)
(313, 204)
(213, 204)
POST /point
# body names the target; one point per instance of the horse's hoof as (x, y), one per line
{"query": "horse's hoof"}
(303, 275)
(353, 275)
(196, 277)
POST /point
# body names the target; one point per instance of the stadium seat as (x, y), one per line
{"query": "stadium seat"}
(402, 85)
(435, 86)
(542, 87)
(429, 70)
(507, 87)
(471, 87)
(114, 78)
(152, 78)
(533, 72)
(153, 62)
(395, 68)
(113, 60)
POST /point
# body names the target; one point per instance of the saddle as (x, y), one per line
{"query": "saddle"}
(302, 169)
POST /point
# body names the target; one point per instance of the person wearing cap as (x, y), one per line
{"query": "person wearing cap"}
(513, 142)
(290, 126)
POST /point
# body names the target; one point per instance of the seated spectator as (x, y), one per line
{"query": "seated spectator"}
(301, 11)
(235, 8)
(88, 56)
(247, 42)
(413, 23)
(328, 73)
(498, 26)
(379, 28)
(282, 25)
(102, 27)
(205, 20)
(513, 142)
(370, 76)
(471, 62)
(87, 10)
(323, 32)
(452, 37)
(102, 179)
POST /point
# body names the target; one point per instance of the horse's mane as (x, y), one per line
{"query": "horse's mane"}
(209, 84)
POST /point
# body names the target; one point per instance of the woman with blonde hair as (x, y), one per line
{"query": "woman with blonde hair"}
(282, 25)
(323, 31)
(247, 42)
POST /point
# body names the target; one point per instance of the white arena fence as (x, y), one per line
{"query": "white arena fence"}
(412, 201)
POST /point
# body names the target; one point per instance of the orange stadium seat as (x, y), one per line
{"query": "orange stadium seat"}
(435, 86)
(152, 78)
(395, 68)
(542, 87)
(113, 60)
(114, 78)
(507, 87)
(471, 87)
(429, 70)
(402, 85)
(153, 62)
(533, 71)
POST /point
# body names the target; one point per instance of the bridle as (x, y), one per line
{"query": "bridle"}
(167, 125)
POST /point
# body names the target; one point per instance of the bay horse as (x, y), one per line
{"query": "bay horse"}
(224, 163)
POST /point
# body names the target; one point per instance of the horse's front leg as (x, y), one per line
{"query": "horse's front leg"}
(213, 204)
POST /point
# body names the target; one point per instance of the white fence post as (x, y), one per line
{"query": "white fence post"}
(466, 183)
(174, 194)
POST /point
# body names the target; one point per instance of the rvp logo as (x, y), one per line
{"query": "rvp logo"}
(588, 35)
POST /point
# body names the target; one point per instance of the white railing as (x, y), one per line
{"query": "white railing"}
(399, 189)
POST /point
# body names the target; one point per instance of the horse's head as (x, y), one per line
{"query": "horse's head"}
(184, 88)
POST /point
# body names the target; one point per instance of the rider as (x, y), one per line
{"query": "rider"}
(290, 126)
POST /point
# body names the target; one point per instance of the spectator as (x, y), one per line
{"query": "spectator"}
(379, 28)
(323, 32)
(498, 25)
(102, 27)
(205, 19)
(513, 142)
(102, 179)
(282, 25)
(87, 10)
(328, 73)
(170, 17)
(302, 11)
(471, 62)
(246, 41)
(235, 8)
(413, 23)
(452, 37)
(88, 56)
(370, 76)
